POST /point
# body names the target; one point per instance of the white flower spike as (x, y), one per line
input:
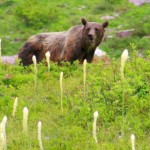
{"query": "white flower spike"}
(47, 54)
(3, 144)
(15, 106)
(61, 90)
(35, 69)
(84, 76)
(94, 126)
(39, 135)
(133, 141)
(25, 120)
(124, 57)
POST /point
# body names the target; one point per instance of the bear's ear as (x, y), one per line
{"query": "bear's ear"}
(84, 22)
(105, 24)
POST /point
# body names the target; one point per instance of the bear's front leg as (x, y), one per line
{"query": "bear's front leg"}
(69, 55)
(89, 57)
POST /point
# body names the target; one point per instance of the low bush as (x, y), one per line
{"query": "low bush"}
(36, 14)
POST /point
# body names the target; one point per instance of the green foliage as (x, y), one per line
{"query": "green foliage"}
(36, 13)
(120, 106)
(105, 93)
(139, 20)
(22, 18)
(73, 130)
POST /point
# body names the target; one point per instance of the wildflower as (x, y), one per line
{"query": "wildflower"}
(25, 119)
(124, 57)
(133, 141)
(47, 54)
(84, 75)
(15, 106)
(39, 135)
(61, 90)
(94, 126)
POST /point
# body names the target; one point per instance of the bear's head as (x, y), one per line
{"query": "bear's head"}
(93, 32)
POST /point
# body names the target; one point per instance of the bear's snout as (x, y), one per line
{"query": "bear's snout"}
(90, 37)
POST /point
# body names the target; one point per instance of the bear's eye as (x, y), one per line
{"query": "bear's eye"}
(96, 29)
(88, 29)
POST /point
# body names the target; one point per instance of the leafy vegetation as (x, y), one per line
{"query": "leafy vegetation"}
(105, 93)
(123, 107)
(32, 14)
(23, 18)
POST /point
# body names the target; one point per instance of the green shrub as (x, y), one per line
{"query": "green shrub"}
(36, 13)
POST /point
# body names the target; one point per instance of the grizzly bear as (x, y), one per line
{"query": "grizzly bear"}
(78, 43)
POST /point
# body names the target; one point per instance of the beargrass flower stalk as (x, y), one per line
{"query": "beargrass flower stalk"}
(2, 142)
(47, 54)
(39, 135)
(25, 120)
(3, 133)
(133, 141)
(0, 51)
(35, 69)
(15, 106)
(94, 126)
(4, 121)
(84, 76)
(124, 57)
(61, 91)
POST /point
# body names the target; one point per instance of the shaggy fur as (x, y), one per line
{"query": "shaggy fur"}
(78, 43)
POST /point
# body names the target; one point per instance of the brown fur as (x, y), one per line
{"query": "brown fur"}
(78, 43)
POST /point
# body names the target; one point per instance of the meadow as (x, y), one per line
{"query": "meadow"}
(123, 106)
(122, 103)
(20, 19)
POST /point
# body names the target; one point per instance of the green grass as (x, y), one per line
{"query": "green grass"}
(73, 129)
(104, 93)
(22, 18)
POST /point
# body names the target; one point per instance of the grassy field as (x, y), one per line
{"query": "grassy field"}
(23, 18)
(123, 105)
